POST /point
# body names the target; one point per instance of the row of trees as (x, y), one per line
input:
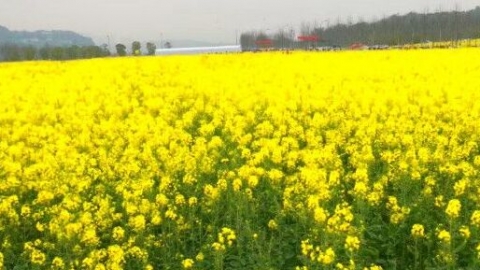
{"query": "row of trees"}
(407, 29)
(136, 48)
(13, 52)
(393, 30)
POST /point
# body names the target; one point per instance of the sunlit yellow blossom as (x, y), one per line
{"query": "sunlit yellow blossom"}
(115, 255)
(58, 263)
(453, 208)
(101, 266)
(352, 243)
(464, 232)
(237, 184)
(417, 231)
(218, 247)
(44, 197)
(118, 233)
(200, 257)
(373, 267)
(25, 211)
(475, 218)
(328, 257)
(179, 199)
(187, 263)
(137, 223)
(460, 187)
(161, 200)
(156, 219)
(272, 224)
(90, 237)
(320, 215)
(360, 189)
(37, 257)
(306, 247)
(252, 181)
(444, 236)
(192, 201)
(138, 253)
(439, 201)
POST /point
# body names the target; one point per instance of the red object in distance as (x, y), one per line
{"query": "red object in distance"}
(264, 42)
(309, 38)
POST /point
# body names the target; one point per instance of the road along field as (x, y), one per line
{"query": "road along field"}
(337, 160)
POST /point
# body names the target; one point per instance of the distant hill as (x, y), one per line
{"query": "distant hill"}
(42, 38)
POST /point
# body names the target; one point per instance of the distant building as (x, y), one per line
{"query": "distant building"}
(199, 50)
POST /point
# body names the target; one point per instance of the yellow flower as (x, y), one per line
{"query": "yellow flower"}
(475, 218)
(115, 255)
(453, 208)
(90, 237)
(320, 215)
(156, 219)
(218, 246)
(328, 257)
(360, 189)
(252, 181)
(200, 257)
(179, 199)
(460, 187)
(439, 201)
(478, 251)
(44, 197)
(444, 236)
(192, 201)
(40, 227)
(352, 243)
(272, 224)
(373, 267)
(417, 231)
(58, 263)
(237, 184)
(25, 211)
(465, 232)
(306, 247)
(137, 252)
(37, 257)
(101, 266)
(187, 263)
(137, 223)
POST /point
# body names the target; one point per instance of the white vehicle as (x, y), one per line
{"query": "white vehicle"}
(199, 50)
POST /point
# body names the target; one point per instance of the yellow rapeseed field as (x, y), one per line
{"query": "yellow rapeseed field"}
(336, 160)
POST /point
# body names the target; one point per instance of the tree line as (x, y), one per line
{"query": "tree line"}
(10, 52)
(407, 29)
(15, 52)
(121, 49)
(393, 30)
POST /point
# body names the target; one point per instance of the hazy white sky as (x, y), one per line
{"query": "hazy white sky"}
(204, 20)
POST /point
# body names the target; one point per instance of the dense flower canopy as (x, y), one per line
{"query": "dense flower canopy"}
(347, 160)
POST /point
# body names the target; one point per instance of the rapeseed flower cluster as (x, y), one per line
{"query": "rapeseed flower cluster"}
(347, 160)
